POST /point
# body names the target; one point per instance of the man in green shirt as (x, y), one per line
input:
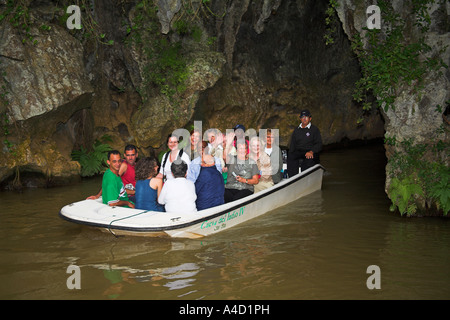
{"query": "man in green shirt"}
(113, 190)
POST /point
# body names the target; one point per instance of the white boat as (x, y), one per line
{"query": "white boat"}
(138, 222)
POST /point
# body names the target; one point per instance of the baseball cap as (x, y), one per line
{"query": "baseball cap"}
(239, 126)
(305, 113)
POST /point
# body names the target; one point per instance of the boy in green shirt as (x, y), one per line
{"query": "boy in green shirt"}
(113, 190)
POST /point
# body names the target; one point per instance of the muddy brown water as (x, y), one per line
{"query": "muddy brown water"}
(319, 247)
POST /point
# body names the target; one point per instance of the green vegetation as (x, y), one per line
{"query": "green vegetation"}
(396, 59)
(4, 121)
(402, 194)
(94, 161)
(4, 117)
(415, 176)
(393, 61)
(17, 15)
(90, 29)
(330, 22)
(165, 67)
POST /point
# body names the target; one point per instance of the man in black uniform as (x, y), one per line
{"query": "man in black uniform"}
(306, 143)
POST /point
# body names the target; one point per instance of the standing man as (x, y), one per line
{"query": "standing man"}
(306, 143)
(127, 170)
(113, 190)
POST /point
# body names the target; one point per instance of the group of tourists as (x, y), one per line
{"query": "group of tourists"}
(225, 168)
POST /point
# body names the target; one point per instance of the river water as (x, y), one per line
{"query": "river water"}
(318, 247)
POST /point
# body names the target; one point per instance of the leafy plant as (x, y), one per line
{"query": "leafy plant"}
(94, 161)
(330, 22)
(419, 170)
(402, 194)
(441, 192)
(397, 59)
(392, 59)
(166, 66)
(17, 14)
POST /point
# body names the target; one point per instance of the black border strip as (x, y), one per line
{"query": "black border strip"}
(184, 225)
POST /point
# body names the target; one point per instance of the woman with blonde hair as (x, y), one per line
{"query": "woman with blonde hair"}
(262, 159)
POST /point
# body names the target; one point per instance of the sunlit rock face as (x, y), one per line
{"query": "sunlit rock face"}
(45, 84)
(41, 77)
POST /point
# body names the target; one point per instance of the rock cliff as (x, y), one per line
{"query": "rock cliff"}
(416, 122)
(252, 62)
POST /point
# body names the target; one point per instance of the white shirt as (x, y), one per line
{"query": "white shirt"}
(167, 171)
(308, 126)
(178, 195)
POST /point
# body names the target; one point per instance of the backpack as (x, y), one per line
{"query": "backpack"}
(166, 155)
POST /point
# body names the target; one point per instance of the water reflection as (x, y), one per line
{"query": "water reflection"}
(174, 278)
(253, 257)
(317, 247)
(148, 264)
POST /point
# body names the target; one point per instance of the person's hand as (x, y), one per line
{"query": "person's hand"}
(230, 138)
(309, 155)
(92, 198)
(240, 179)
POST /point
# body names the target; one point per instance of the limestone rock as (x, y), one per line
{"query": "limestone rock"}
(159, 116)
(166, 11)
(41, 77)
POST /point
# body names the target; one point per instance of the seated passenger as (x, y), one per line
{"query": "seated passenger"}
(263, 162)
(178, 194)
(195, 166)
(274, 152)
(209, 185)
(242, 173)
(113, 190)
(169, 157)
(148, 186)
(217, 149)
(196, 144)
(239, 131)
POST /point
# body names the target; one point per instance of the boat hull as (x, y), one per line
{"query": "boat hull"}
(126, 221)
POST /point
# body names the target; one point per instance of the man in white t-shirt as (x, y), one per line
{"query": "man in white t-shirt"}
(178, 194)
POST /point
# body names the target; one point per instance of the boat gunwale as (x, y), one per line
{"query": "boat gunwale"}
(199, 220)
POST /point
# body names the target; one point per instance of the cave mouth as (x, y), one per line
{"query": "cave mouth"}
(28, 177)
(24, 177)
(285, 67)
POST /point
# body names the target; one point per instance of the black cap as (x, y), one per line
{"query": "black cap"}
(305, 113)
(239, 126)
